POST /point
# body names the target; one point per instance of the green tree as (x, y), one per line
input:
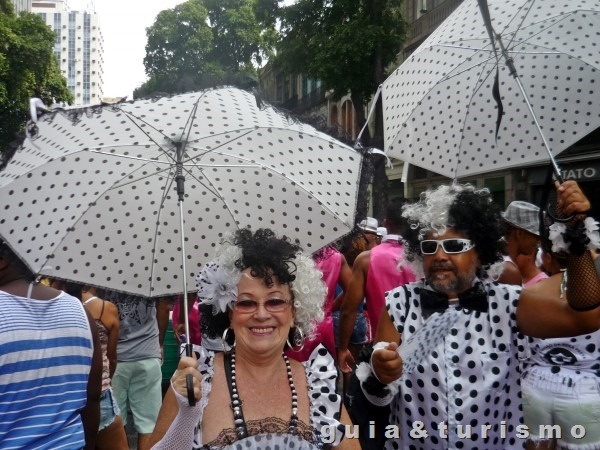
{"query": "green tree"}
(28, 68)
(347, 44)
(202, 43)
(178, 45)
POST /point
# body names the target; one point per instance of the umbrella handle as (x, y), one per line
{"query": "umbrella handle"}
(558, 219)
(548, 184)
(189, 380)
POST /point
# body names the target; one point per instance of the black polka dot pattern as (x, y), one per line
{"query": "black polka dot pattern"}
(471, 377)
(325, 405)
(439, 112)
(568, 357)
(92, 198)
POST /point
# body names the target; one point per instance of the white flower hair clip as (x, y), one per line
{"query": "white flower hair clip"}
(217, 286)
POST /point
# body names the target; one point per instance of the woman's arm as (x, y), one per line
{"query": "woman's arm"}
(110, 320)
(174, 427)
(544, 315)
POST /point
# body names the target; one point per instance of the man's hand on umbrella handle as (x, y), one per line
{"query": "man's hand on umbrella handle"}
(571, 200)
(187, 380)
(346, 360)
(386, 363)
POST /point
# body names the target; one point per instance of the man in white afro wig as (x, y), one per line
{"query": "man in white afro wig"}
(467, 372)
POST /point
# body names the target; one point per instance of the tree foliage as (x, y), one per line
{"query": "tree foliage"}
(201, 43)
(344, 43)
(347, 44)
(28, 68)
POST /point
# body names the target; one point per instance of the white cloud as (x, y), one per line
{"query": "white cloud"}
(124, 24)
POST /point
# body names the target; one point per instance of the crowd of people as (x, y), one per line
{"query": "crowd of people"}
(280, 336)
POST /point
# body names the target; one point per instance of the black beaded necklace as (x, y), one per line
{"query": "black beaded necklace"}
(236, 402)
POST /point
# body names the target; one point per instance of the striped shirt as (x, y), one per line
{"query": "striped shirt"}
(45, 359)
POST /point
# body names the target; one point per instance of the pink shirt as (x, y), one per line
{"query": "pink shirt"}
(385, 273)
(194, 317)
(330, 268)
(539, 277)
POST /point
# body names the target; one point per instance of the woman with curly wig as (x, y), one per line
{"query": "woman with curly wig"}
(462, 390)
(265, 296)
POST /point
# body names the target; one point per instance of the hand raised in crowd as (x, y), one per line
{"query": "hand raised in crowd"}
(571, 199)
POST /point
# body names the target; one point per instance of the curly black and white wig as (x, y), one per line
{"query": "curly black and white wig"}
(461, 207)
(268, 257)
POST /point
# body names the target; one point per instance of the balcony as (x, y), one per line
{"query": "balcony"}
(308, 101)
(427, 23)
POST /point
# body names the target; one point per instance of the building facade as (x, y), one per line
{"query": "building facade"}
(78, 47)
(22, 5)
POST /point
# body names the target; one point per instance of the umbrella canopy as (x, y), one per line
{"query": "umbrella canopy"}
(439, 112)
(92, 197)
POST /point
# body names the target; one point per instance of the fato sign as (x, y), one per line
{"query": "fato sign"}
(580, 174)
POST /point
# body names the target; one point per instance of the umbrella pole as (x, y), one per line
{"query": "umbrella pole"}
(510, 63)
(513, 71)
(180, 182)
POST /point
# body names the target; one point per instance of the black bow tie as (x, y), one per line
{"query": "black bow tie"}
(474, 299)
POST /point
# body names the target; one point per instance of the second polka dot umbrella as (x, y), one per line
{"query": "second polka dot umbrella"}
(439, 110)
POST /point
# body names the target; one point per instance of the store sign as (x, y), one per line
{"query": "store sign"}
(581, 172)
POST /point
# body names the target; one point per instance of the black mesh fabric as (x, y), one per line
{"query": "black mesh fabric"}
(583, 286)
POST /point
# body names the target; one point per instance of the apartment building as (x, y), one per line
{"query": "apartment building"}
(21, 5)
(78, 46)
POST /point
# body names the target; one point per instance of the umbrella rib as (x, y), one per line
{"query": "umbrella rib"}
(283, 176)
(478, 85)
(168, 184)
(132, 116)
(480, 49)
(251, 130)
(509, 43)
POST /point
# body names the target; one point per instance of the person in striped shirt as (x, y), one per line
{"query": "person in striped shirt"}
(50, 364)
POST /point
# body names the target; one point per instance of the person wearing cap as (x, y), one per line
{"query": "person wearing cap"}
(369, 228)
(522, 235)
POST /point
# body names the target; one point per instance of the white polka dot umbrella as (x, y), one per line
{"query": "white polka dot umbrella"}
(439, 111)
(92, 197)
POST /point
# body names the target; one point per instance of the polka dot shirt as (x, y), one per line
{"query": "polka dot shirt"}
(466, 393)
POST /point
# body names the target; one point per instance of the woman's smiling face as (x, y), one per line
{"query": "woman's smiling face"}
(261, 331)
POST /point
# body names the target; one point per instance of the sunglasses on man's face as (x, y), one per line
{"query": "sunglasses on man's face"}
(450, 246)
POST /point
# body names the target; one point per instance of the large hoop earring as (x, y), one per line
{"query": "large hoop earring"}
(226, 345)
(297, 338)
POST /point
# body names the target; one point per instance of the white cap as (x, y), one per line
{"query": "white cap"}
(369, 224)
